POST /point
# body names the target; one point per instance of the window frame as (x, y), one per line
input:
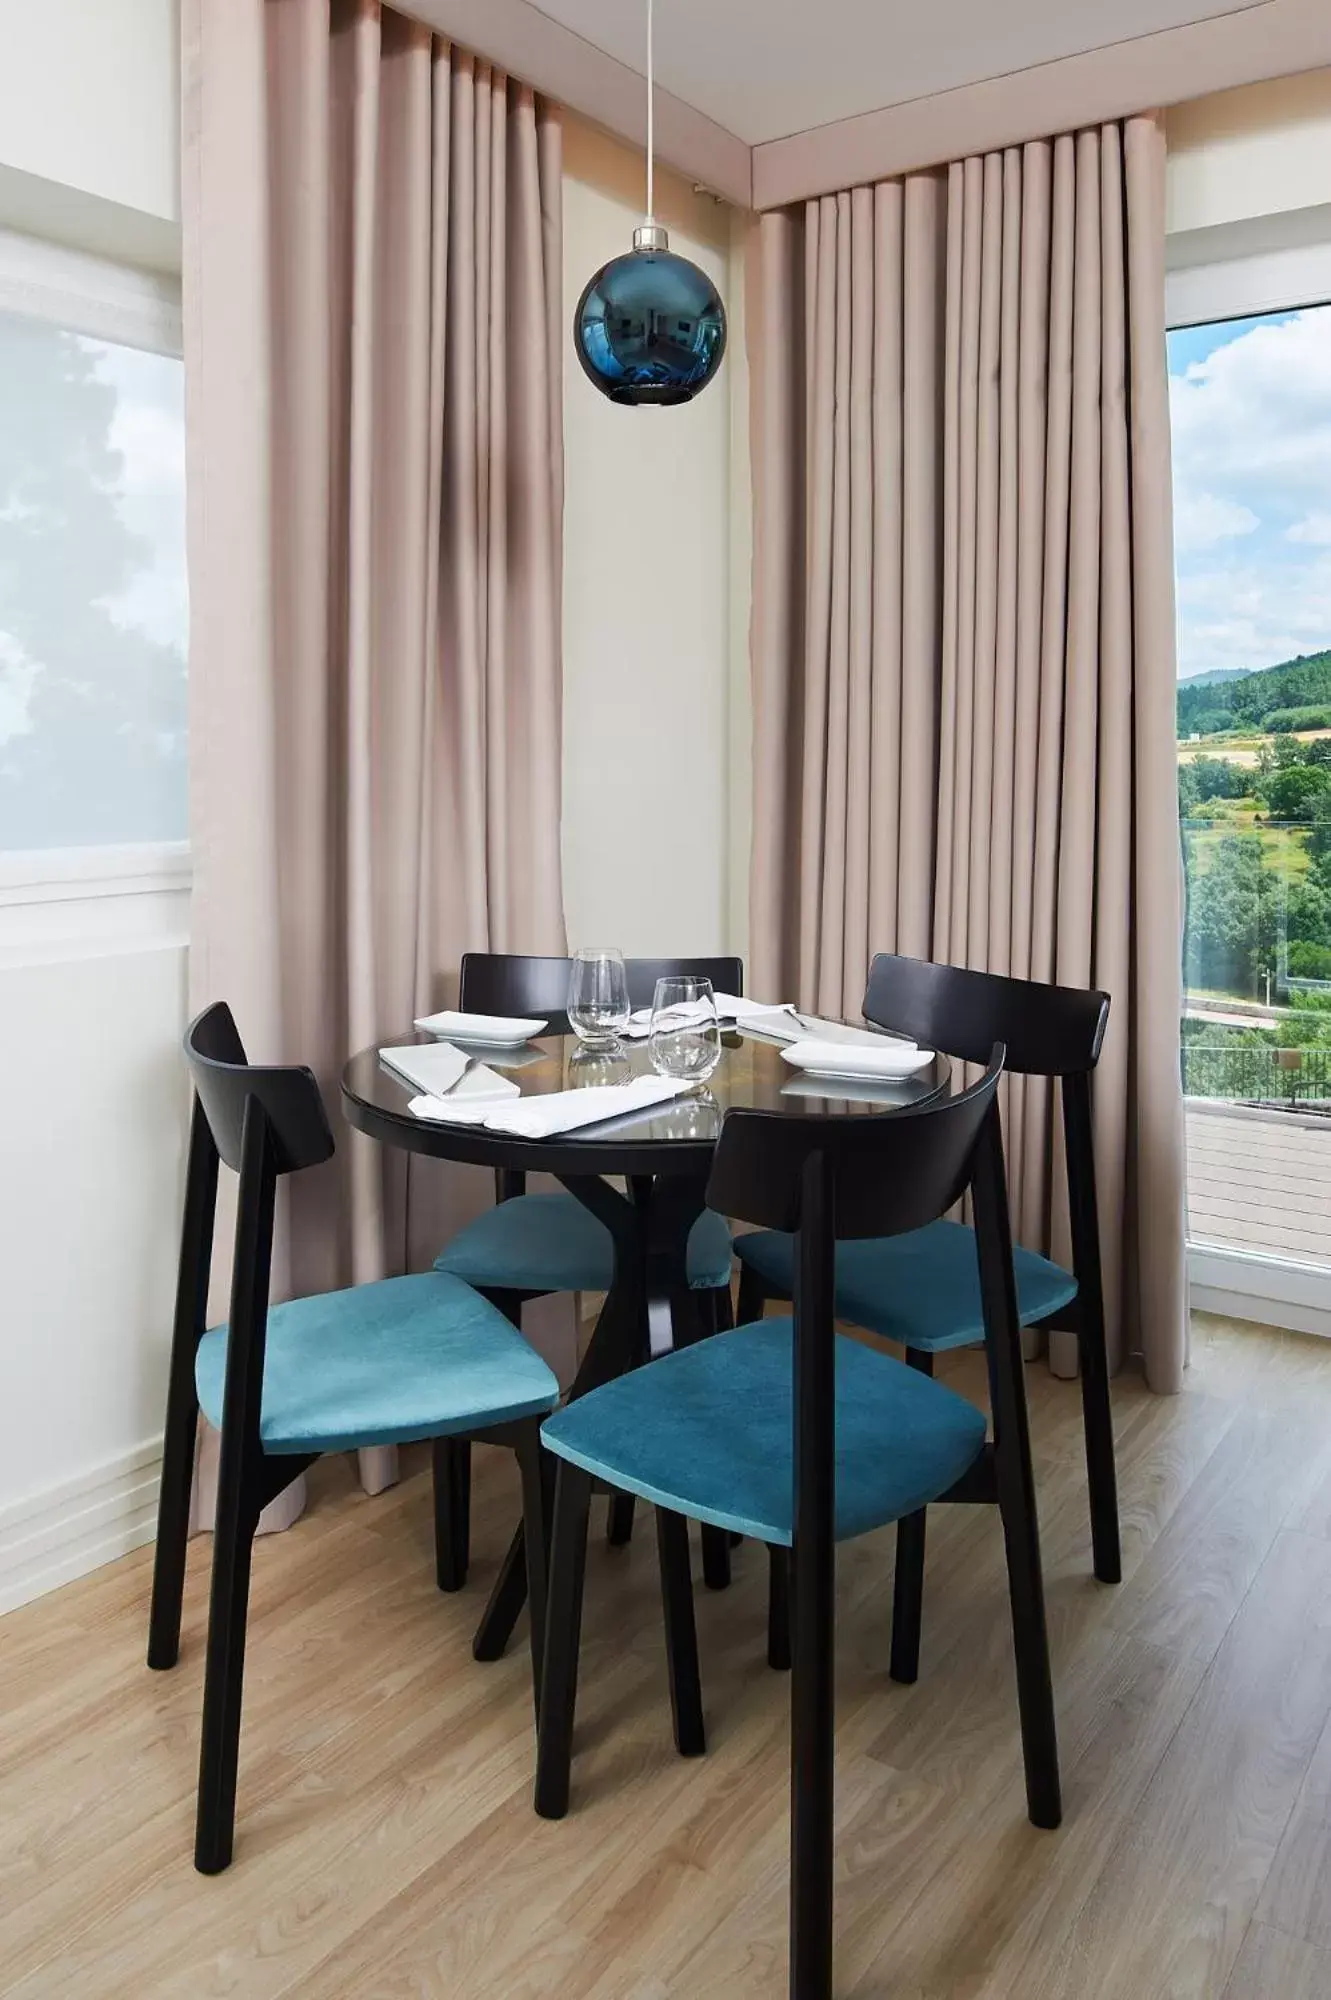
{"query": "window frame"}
(134, 308)
(1238, 271)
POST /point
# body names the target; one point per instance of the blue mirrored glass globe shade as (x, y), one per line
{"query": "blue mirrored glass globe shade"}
(650, 328)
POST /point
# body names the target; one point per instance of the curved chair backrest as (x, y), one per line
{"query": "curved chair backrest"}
(884, 1174)
(500, 982)
(880, 1175)
(1046, 1030)
(1052, 1031)
(262, 1122)
(293, 1106)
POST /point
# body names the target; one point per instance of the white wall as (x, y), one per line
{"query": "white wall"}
(91, 1153)
(1248, 200)
(1260, 151)
(92, 987)
(647, 609)
(655, 773)
(89, 124)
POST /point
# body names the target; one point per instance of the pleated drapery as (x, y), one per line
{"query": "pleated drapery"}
(963, 638)
(372, 290)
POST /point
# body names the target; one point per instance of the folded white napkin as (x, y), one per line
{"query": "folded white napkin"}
(449, 1079)
(732, 1012)
(470, 1101)
(484, 1085)
(558, 1111)
(783, 1023)
(847, 1037)
(452, 1110)
(432, 1066)
(777, 1023)
(567, 1110)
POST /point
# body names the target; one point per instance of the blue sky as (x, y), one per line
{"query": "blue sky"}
(1251, 411)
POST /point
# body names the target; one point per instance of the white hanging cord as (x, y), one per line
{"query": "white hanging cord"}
(651, 117)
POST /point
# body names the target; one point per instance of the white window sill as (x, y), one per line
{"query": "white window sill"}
(1244, 1284)
(69, 903)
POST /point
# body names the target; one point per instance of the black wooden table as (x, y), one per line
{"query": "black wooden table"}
(664, 1158)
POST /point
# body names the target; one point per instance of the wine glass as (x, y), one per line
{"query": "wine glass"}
(685, 1040)
(598, 997)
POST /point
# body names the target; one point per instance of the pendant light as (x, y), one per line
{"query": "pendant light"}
(650, 327)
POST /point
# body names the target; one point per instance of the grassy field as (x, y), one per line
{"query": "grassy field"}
(1283, 847)
(1236, 748)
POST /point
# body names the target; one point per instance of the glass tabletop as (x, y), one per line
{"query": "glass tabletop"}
(751, 1075)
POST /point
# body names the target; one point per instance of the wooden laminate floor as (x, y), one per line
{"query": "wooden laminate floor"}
(386, 1844)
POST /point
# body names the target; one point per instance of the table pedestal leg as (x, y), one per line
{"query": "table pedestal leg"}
(648, 1310)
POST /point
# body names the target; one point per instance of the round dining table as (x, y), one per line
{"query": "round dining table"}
(663, 1158)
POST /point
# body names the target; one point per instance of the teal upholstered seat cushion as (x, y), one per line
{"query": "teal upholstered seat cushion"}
(551, 1243)
(707, 1432)
(408, 1358)
(922, 1289)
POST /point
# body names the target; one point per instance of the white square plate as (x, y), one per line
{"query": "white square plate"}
(496, 1031)
(846, 1060)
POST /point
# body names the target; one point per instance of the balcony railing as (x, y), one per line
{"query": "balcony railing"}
(1259, 1076)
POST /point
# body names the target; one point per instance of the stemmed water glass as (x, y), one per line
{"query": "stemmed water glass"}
(685, 1040)
(598, 997)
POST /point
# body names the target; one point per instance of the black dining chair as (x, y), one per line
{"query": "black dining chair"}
(802, 1437)
(414, 1357)
(530, 1245)
(923, 1289)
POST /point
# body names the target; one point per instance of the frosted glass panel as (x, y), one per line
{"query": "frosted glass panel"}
(93, 610)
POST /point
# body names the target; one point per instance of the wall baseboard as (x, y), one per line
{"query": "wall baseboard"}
(54, 1536)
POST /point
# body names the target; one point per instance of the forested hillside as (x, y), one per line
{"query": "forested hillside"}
(1296, 695)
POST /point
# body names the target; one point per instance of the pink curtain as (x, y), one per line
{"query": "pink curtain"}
(963, 638)
(372, 294)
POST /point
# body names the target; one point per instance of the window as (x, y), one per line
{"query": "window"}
(93, 612)
(1251, 412)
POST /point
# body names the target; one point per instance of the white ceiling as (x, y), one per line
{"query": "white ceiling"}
(766, 68)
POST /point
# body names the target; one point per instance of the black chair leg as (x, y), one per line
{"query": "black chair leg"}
(672, 1545)
(233, 1543)
(778, 1609)
(452, 1511)
(715, 1557)
(714, 1310)
(563, 1633)
(752, 1297)
(812, 1783)
(173, 1504)
(538, 1475)
(908, 1582)
(619, 1520)
(1030, 1638)
(1101, 1474)
(504, 1605)
(908, 1598)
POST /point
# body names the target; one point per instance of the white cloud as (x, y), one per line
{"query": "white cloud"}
(1203, 519)
(1252, 494)
(1313, 528)
(18, 676)
(147, 431)
(1252, 422)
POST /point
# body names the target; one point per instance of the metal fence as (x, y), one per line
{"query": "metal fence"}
(1258, 1075)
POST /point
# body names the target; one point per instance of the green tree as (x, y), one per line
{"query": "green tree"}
(1296, 793)
(1201, 779)
(1231, 928)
